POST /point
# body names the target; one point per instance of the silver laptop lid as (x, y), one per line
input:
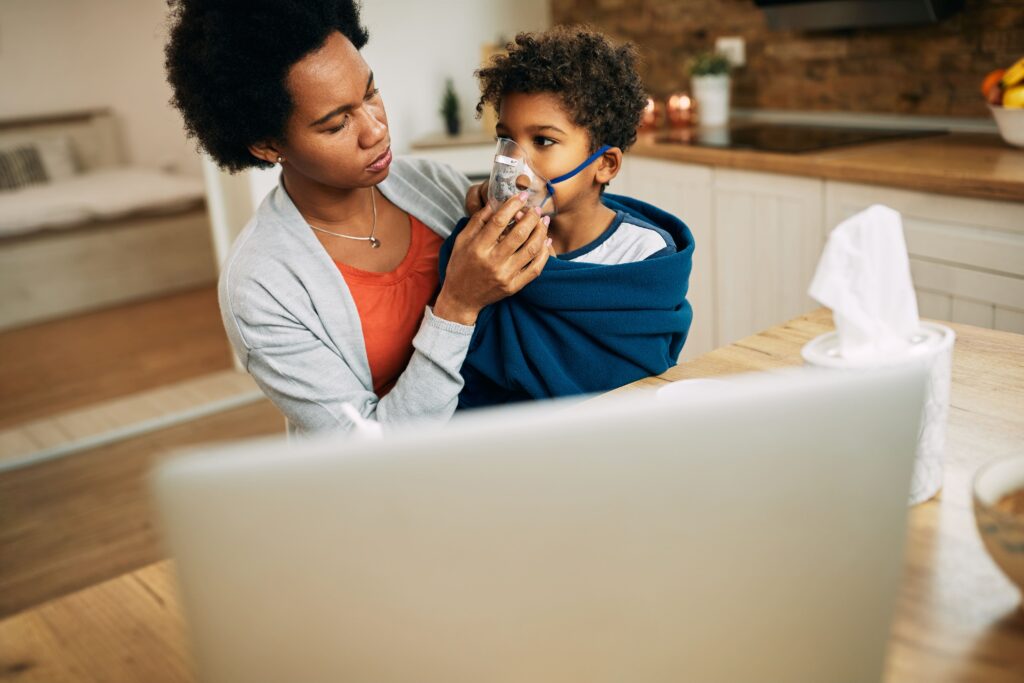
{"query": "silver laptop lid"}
(750, 532)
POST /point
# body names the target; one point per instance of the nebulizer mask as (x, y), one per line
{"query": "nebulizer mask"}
(512, 174)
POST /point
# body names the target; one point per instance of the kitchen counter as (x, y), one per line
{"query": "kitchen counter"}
(965, 164)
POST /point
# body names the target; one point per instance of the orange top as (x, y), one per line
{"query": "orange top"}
(391, 305)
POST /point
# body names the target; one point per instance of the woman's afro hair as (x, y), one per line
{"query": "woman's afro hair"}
(596, 81)
(227, 61)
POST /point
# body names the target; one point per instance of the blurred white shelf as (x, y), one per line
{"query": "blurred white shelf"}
(470, 152)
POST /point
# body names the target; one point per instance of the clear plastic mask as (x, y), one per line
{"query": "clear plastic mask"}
(511, 174)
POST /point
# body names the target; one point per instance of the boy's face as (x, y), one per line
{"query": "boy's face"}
(538, 123)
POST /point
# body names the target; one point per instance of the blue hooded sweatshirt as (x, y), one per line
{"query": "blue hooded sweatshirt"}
(581, 328)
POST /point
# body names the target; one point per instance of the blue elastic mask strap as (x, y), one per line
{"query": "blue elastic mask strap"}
(591, 159)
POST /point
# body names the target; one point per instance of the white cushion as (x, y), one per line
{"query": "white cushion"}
(97, 195)
(58, 157)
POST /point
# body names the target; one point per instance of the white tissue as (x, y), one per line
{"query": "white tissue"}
(864, 277)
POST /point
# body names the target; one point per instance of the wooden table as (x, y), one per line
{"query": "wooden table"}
(957, 617)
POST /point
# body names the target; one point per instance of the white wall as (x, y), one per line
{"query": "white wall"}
(415, 45)
(59, 55)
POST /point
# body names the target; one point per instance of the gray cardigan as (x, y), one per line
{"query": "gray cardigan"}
(295, 328)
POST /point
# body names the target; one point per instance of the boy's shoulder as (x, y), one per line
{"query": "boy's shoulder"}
(646, 233)
(644, 214)
(628, 239)
(638, 232)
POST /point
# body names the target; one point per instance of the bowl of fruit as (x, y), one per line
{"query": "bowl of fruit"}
(1004, 91)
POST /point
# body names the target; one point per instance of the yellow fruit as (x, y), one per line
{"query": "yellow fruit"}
(1013, 75)
(1014, 98)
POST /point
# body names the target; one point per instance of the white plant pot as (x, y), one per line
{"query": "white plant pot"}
(712, 95)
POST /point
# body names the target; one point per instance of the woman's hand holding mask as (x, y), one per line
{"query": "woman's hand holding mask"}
(476, 197)
(492, 260)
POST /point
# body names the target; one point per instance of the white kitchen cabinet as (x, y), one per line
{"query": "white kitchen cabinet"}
(966, 255)
(684, 190)
(768, 235)
(758, 238)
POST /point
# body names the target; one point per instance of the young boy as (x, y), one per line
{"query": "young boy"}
(611, 307)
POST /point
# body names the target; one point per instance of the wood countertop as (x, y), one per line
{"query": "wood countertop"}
(976, 165)
(957, 618)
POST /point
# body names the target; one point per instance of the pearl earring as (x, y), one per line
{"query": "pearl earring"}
(280, 158)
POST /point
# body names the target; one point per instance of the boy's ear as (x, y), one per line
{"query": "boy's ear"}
(266, 151)
(608, 166)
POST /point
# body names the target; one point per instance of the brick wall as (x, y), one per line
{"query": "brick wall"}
(929, 70)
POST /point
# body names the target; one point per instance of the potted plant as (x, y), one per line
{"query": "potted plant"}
(450, 109)
(709, 78)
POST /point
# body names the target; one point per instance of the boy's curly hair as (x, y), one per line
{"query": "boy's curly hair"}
(227, 61)
(597, 81)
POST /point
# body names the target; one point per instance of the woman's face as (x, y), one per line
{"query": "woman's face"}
(337, 134)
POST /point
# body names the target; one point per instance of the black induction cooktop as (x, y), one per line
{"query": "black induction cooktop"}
(787, 138)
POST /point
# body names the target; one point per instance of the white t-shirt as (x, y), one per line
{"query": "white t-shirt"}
(627, 240)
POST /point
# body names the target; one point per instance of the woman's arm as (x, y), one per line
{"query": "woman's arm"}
(308, 355)
(310, 378)
(491, 261)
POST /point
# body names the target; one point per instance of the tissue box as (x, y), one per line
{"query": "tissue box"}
(932, 345)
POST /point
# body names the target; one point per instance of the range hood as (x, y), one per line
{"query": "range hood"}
(842, 14)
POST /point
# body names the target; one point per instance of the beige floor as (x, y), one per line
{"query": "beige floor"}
(87, 406)
(82, 360)
(108, 422)
(72, 521)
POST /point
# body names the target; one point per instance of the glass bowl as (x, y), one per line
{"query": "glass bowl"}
(1002, 528)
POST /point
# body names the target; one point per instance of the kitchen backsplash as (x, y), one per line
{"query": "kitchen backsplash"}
(928, 70)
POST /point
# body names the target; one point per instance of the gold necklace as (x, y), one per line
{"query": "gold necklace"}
(374, 242)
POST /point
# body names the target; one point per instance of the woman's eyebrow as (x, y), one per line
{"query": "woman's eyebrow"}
(340, 110)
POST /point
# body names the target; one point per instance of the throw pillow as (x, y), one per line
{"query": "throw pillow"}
(21, 166)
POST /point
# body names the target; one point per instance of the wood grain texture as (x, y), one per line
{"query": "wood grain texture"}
(73, 521)
(957, 618)
(116, 418)
(127, 630)
(78, 361)
(959, 164)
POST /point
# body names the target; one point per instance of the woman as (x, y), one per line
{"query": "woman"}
(326, 295)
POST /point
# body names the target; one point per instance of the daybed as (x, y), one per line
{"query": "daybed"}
(97, 231)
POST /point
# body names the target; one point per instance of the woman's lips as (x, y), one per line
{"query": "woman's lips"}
(381, 162)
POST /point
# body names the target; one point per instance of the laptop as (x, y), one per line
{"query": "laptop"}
(751, 531)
